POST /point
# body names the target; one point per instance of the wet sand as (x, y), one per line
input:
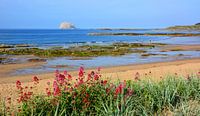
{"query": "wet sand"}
(8, 68)
(195, 47)
(154, 71)
(158, 69)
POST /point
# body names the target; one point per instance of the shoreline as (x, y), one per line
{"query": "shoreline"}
(7, 69)
(189, 65)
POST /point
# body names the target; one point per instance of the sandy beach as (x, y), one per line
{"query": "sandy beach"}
(153, 71)
(156, 70)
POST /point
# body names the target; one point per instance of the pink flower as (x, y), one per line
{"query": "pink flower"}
(119, 89)
(81, 72)
(80, 81)
(65, 72)
(56, 89)
(61, 79)
(81, 69)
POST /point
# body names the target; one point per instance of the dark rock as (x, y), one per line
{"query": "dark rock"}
(6, 46)
(60, 66)
(37, 60)
(22, 45)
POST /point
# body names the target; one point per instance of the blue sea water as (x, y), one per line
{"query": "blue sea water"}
(47, 38)
(65, 38)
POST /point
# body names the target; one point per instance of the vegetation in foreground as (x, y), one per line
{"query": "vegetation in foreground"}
(92, 95)
(114, 49)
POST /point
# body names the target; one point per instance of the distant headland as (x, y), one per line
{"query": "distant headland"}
(186, 27)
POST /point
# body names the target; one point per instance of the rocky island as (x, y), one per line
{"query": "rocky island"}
(66, 25)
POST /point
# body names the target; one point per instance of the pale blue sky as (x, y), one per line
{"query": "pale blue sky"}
(48, 14)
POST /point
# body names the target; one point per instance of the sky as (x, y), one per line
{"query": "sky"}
(48, 14)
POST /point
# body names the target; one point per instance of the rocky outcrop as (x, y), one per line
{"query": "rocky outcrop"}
(66, 25)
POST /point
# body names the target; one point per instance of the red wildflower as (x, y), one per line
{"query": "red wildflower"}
(56, 88)
(61, 79)
(119, 89)
(85, 100)
(81, 72)
(80, 81)
(104, 82)
(35, 79)
(48, 93)
(69, 77)
(18, 85)
(89, 77)
(65, 72)
(30, 93)
(96, 77)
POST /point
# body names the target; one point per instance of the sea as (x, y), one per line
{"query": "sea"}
(47, 38)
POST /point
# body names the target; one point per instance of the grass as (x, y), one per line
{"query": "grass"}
(115, 49)
(92, 95)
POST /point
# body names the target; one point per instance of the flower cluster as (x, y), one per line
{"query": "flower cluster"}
(82, 89)
(82, 92)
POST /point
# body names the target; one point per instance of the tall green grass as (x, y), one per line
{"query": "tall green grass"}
(173, 95)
